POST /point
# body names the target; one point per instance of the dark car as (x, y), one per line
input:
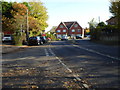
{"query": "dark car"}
(78, 37)
(36, 40)
(65, 38)
(44, 39)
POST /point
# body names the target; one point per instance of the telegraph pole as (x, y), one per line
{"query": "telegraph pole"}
(99, 19)
(27, 33)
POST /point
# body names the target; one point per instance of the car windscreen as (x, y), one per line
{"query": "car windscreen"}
(7, 35)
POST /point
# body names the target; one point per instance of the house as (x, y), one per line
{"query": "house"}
(112, 21)
(71, 29)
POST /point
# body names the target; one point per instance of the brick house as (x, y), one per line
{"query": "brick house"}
(71, 29)
(112, 21)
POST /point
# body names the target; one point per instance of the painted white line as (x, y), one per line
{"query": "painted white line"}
(46, 52)
(51, 52)
(90, 50)
(85, 85)
(76, 76)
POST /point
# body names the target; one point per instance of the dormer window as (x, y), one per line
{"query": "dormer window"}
(61, 26)
(76, 25)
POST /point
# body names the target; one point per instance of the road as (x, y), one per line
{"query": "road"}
(61, 64)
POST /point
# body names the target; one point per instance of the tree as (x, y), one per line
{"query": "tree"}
(19, 16)
(92, 23)
(7, 24)
(115, 7)
(19, 22)
(6, 9)
(115, 10)
(38, 11)
(14, 17)
(6, 16)
(101, 24)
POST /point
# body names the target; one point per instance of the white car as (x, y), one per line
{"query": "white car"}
(7, 38)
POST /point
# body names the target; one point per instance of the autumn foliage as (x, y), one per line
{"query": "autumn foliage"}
(15, 17)
(37, 16)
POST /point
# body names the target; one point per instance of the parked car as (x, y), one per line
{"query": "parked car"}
(44, 39)
(78, 37)
(7, 38)
(64, 38)
(36, 40)
(88, 36)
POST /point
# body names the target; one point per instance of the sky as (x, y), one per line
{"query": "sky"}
(82, 11)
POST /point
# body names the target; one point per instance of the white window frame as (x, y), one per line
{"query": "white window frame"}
(64, 30)
(73, 30)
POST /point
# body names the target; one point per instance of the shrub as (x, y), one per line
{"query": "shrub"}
(18, 38)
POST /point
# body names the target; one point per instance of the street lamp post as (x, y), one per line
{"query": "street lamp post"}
(27, 33)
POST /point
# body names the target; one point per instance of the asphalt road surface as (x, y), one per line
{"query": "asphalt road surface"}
(61, 64)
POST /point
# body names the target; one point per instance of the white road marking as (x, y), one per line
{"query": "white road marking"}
(90, 50)
(46, 52)
(76, 76)
(51, 52)
(85, 85)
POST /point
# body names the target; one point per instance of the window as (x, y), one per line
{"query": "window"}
(64, 30)
(73, 30)
(78, 30)
(76, 25)
(58, 30)
(61, 26)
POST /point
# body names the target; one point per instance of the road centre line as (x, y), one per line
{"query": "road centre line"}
(76, 77)
(90, 50)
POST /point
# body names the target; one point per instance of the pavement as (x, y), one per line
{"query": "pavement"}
(4, 49)
(10, 48)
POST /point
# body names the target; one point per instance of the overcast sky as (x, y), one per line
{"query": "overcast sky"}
(81, 11)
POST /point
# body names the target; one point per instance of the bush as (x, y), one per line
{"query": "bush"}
(19, 37)
(96, 33)
(18, 40)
